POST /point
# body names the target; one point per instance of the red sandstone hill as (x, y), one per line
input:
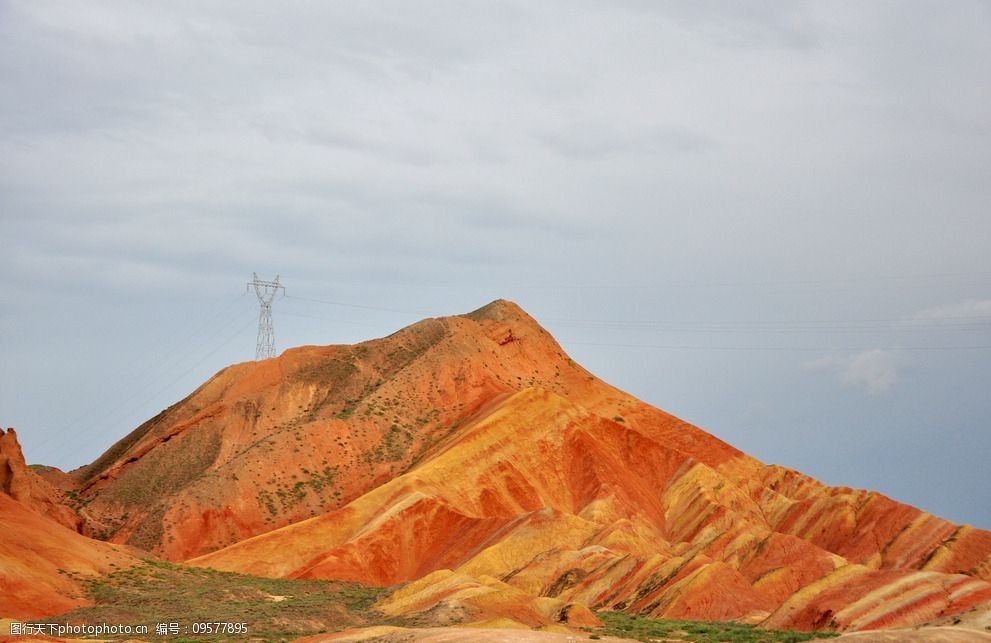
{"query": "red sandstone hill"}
(37, 547)
(472, 459)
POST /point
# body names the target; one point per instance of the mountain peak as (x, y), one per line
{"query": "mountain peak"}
(500, 310)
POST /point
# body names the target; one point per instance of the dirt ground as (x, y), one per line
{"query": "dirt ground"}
(456, 635)
(926, 635)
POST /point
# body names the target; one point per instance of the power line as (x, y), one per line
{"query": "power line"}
(113, 404)
(359, 306)
(891, 326)
(168, 352)
(966, 322)
(907, 322)
(776, 327)
(984, 275)
(810, 349)
(337, 321)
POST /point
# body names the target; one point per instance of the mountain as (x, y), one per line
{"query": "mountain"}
(266, 444)
(472, 460)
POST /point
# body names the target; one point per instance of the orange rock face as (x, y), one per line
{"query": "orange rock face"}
(471, 458)
(36, 551)
(30, 489)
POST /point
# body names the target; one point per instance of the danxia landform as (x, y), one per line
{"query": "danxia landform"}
(473, 469)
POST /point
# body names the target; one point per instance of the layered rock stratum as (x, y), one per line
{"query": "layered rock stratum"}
(469, 461)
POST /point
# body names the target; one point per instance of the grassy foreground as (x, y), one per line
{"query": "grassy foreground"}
(273, 609)
(653, 629)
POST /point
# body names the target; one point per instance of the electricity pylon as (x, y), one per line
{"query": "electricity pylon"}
(266, 291)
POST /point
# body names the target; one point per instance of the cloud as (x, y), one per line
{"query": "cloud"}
(605, 141)
(874, 371)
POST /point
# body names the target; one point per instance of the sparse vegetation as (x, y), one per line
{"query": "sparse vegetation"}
(396, 442)
(643, 628)
(347, 410)
(159, 592)
(318, 480)
(265, 498)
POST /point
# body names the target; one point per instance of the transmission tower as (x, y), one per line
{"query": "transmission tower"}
(266, 291)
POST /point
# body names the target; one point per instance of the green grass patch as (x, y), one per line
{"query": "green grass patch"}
(642, 628)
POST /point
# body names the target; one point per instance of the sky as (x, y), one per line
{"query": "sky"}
(770, 219)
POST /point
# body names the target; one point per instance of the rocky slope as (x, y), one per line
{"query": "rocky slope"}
(470, 458)
(43, 564)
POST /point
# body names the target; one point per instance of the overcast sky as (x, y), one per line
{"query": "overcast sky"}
(770, 219)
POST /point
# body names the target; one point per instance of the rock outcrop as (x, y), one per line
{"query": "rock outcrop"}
(44, 563)
(18, 481)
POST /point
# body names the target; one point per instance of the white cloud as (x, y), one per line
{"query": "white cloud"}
(875, 371)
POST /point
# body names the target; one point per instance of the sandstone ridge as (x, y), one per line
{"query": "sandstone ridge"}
(19, 482)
